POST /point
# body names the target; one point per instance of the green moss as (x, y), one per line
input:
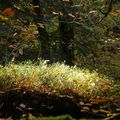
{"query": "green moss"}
(56, 78)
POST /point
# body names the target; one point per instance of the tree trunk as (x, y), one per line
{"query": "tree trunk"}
(43, 34)
(66, 36)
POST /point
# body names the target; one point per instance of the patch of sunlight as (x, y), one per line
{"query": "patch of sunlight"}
(57, 76)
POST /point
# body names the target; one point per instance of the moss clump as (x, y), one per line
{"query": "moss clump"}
(56, 78)
(62, 117)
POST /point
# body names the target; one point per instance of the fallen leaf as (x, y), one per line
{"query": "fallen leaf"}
(105, 111)
(113, 13)
(86, 108)
(41, 25)
(88, 104)
(81, 103)
(99, 101)
(36, 6)
(66, 0)
(117, 109)
(21, 51)
(2, 42)
(95, 111)
(13, 46)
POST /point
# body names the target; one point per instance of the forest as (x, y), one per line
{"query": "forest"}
(59, 59)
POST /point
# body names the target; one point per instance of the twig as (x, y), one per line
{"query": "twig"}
(106, 13)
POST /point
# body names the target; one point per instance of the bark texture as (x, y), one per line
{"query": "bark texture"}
(43, 34)
(66, 34)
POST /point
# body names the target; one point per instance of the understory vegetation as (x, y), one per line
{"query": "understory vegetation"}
(50, 86)
(57, 77)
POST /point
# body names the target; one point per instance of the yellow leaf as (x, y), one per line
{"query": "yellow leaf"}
(105, 111)
(3, 18)
(117, 109)
(1, 66)
(109, 114)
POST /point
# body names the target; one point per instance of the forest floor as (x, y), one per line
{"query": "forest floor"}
(29, 105)
(30, 91)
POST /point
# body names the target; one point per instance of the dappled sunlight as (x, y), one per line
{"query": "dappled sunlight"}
(58, 76)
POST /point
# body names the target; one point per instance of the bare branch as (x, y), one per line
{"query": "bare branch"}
(106, 13)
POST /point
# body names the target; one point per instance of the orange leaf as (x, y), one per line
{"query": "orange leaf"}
(99, 101)
(8, 11)
(113, 13)
(95, 111)
(75, 81)
(105, 86)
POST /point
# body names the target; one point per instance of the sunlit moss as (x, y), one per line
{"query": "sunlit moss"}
(56, 77)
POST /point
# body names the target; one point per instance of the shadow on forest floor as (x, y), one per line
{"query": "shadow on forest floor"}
(19, 103)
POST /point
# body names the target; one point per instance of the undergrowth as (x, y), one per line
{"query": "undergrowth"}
(62, 117)
(56, 78)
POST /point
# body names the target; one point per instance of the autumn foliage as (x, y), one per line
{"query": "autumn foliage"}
(9, 12)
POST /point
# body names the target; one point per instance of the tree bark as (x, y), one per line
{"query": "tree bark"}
(43, 34)
(66, 36)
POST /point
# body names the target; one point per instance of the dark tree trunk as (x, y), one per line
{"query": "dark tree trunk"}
(43, 34)
(66, 36)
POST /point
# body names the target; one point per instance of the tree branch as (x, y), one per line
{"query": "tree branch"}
(106, 13)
